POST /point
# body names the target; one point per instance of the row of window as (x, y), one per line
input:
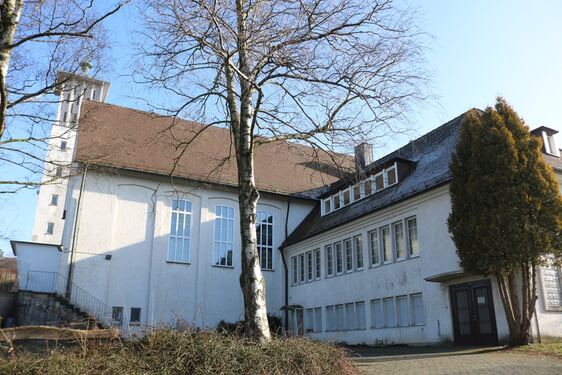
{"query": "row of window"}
(223, 236)
(386, 244)
(373, 184)
(391, 312)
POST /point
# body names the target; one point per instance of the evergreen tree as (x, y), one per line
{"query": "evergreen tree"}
(506, 209)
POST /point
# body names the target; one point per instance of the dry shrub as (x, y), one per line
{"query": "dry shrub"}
(170, 352)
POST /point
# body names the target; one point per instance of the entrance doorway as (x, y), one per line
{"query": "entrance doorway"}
(474, 320)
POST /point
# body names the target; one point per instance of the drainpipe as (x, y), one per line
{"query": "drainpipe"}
(74, 235)
(286, 274)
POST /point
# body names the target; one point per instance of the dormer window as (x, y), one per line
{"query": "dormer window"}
(369, 186)
(548, 141)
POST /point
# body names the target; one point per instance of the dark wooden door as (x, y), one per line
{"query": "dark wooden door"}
(474, 320)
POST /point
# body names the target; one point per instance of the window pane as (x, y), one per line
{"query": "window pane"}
(317, 264)
(391, 175)
(180, 231)
(330, 319)
(318, 319)
(264, 235)
(379, 181)
(339, 257)
(386, 244)
(403, 311)
(414, 247)
(329, 260)
(309, 320)
(295, 270)
(301, 268)
(399, 240)
(348, 255)
(377, 320)
(135, 314)
(374, 247)
(368, 187)
(309, 269)
(417, 309)
(340, 319)
(360, 315)
(223, 236)
(358, 244)
(389, 315)
(350, 316)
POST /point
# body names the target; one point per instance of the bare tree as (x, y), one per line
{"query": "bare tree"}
(321, 71)
(38, 39)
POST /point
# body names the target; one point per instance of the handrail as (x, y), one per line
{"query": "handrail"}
(55, 283)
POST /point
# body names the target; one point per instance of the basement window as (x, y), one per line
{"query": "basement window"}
(117, 314)
(135, 314)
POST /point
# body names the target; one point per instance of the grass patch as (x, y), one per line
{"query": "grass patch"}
(553, 349)
(170, 352)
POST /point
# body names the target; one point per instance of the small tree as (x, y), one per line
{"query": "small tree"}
(506, 209)
(319, 71)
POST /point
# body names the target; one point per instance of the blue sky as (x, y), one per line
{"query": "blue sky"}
(479, 50)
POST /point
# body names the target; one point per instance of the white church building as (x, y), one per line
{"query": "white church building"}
(146, 225)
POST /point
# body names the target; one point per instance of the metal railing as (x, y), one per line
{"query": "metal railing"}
(55, 283)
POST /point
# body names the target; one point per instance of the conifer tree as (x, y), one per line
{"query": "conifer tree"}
(506, 209)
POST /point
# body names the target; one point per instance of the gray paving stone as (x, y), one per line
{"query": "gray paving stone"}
(452, 361)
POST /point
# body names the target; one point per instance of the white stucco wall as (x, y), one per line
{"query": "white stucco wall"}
(128, 218)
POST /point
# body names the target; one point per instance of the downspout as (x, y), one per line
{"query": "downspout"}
(286, 274)
(75, 234)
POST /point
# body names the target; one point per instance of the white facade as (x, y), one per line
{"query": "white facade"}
(406, 300)
(119, 250)
(158, 253)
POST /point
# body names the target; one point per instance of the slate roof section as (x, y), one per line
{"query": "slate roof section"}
(430, 154)
(120, 137)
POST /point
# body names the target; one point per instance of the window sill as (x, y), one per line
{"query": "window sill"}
(176, 262)
(223, 267)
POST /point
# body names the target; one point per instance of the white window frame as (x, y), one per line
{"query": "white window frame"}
(295, 270)
(223, 244)
(330, 266)
(410, 235)
(389, 312)
(360, 315)
(417, 316)
(317, 264)
(265, 250)
(309, 266)
(302, 269)
(377, 313)
(338, 255)
(317, 319)
(180, 231)
(385, 242)
(358, 252)
(348, 255)
(374, 248)
(403, 311)
(399, 243)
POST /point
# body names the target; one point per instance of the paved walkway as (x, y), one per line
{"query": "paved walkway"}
(452, 361)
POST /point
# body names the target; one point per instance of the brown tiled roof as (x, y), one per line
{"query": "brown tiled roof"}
(115, 136)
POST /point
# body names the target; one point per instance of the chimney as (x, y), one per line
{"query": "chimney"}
(363, 155)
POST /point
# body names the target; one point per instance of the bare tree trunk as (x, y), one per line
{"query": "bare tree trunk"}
(518, 311)
(10, 12)
(251, 279)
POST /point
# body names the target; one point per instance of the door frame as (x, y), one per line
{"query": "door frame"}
(474, 338)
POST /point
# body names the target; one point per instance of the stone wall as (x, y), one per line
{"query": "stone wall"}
(8, 307)
(48, 309)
